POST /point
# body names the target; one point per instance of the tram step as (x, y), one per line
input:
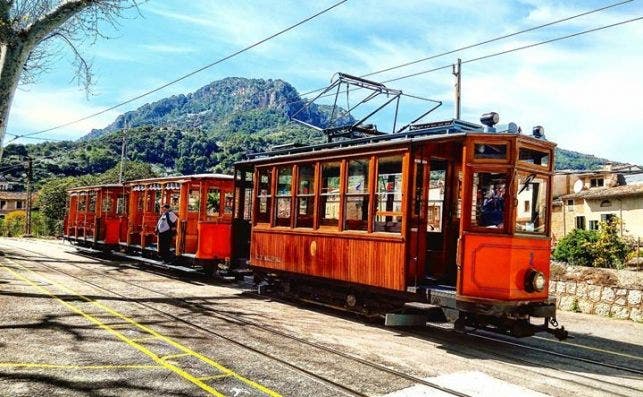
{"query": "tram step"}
(156, 263)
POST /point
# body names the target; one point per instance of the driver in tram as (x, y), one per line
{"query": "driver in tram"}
(493, 207)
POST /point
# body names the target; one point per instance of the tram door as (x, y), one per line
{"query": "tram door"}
(432, 221)
(241, 226)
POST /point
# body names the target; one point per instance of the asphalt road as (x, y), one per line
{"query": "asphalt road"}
(73, 325)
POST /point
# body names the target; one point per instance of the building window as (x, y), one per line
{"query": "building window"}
(19, 204)
(3, 204)
(388, 216)
(606, 203)
(283, 196)
(357, 195)
(607, 218)
(305, 203)
(264, 199)
(593, 225)
(570, 205)
(527, 206)
(596, 182)
(580, 222)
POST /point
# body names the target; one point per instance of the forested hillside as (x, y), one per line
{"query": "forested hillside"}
(207, 130)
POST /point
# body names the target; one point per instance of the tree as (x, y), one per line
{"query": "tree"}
(30, 28)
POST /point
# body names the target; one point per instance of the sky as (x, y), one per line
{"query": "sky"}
(587, 91)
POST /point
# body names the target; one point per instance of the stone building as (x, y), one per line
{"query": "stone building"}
(583, 199)
(12, 201)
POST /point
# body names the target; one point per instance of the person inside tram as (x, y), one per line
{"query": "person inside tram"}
(493, 207)
(165, 228)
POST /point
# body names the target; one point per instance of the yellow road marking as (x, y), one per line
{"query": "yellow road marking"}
(598, 349)
(137, 346)
(74, 366)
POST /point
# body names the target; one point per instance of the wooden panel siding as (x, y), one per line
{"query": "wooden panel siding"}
(351, 257)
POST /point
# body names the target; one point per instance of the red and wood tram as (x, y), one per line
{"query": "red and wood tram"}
(444, 213)
(122, 218)
(96, 215)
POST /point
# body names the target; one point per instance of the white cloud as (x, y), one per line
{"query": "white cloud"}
(46, 107)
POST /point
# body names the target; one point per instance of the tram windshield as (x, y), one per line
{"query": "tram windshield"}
(489, 190)
(532, 204)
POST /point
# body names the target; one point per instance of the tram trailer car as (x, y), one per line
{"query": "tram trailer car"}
(448, 213)
(96, 216)
(204, 206)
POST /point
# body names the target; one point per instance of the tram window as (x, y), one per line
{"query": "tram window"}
(139, 201)
(533, 157)
(490, 151)
(174, 199)
(194, 199)
(418, 189)
(283, 196)
(228, 203)
(120, 204)
(488, 200)
(329, 195)
(158, 197)
(214, 201)
(357, 195)
(305, 196)
(81, 202)
(107, 204)
(533, 189)
(388, 215)
(92, 203)
(437, 188)
(264, 199)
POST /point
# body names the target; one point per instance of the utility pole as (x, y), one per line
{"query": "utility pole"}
(120, 174)
(28, 209)
(457, 72)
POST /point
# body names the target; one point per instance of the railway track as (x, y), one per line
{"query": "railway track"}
(445, 337)
(338, 386)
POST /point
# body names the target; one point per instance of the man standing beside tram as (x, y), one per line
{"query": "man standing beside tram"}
(165, 228)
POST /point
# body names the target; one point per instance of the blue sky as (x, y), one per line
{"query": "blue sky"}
(585, 91)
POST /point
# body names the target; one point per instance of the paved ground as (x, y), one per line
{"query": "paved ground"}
(72, 325)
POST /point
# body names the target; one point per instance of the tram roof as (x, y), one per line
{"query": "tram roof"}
(95, 187)
(448, 130)
(179, 178)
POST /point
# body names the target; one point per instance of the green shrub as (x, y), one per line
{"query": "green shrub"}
(575, 247)
(610, 249)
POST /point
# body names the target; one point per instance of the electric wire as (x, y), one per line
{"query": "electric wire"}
(192, 73)
(29, 135)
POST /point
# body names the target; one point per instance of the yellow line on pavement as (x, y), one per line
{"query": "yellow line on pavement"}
(75, 366)
(150, 331)
(170, 356)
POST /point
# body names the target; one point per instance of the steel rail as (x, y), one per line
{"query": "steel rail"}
(246, 322)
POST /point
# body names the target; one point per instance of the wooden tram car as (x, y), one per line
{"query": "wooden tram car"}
(96, 215)
(444, 213)
(203, 204)
(122, 219)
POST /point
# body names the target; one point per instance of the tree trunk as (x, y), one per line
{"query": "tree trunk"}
(12, 60)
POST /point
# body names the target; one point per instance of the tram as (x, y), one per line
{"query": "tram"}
(96, 216)
(445, 213)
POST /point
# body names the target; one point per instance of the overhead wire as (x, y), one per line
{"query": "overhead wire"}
(29, 135)
(491, 40)
(192, 73)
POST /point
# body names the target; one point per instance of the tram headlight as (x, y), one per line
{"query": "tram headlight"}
(535, 281)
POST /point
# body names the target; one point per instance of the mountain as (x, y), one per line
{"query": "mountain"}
(229, 104)
(206, 130)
